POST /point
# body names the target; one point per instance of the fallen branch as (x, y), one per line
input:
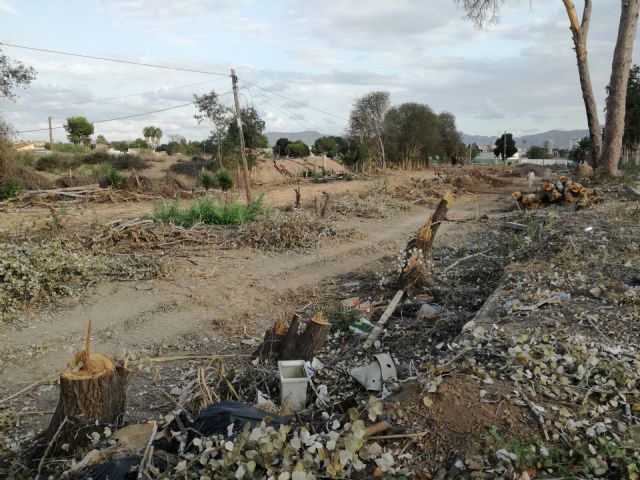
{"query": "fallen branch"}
(145, 455)
(464, 259)
(49, 448)
(378, 327)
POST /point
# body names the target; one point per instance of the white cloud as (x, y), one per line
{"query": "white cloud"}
(6, 8)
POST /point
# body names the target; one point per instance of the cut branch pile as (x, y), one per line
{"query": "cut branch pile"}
(82, 194)
(564, 191)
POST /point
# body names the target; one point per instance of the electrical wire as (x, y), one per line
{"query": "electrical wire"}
(107, 99)
(105, 59)
(292, 100)
(118, 118)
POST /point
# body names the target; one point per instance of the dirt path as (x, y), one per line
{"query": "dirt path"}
(215, 297)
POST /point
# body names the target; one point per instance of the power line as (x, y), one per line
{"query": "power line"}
(117, 118)
(105, 59)
(107, 99)
(294, 100)
(298, 121)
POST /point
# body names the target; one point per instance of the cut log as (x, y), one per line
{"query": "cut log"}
(92, 394)
(289, 340)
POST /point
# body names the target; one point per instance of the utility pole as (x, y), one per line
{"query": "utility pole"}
(243, 153)
(504, 150)
(50, 136)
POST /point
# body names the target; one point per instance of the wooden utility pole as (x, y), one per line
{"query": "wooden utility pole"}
(50, 136)
(243, 153)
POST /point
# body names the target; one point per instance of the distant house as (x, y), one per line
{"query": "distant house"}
(24, 146)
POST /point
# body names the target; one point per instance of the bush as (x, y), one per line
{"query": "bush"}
(110, 177)
(208, 180)
(95, 158)
(121, 162)
(206, 211)
(24, 158)
(57, 161)
(10, 189)
(69, 148)
(193, 167)
(297, 149)
(225, 180)
(129, 162)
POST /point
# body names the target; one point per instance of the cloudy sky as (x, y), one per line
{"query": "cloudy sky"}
(518, 75)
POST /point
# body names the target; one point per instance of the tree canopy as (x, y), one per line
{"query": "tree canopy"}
(328, 146)
(218, 115)
(152, 135)
(79, 129)
(366, 121)
(510, 149)
(14, 74)
(297, 149)
(280, 148)
(412, 134)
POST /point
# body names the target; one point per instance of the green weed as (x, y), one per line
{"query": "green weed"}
(206, 211)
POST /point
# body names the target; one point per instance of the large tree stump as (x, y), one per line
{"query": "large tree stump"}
(413, 272)
(293, 344)
(92, 394)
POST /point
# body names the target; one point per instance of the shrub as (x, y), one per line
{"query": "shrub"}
(206, 211)
(297, 149)
(69, 148)
(95, 158)
(57, 161)
(208, 180)
(111, 177)
(129, 162)
(193, 167)
(24, 158)
(225, 180)
(10, 189)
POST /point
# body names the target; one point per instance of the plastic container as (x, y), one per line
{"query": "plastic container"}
(293, 384)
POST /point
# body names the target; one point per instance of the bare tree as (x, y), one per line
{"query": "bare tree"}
(218, 115)
(367, 118)
(482, 12)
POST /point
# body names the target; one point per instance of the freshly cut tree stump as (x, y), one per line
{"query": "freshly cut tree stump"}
(92, 391)
(303, 346)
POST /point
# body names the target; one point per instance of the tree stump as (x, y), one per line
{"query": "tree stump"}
(413, 273)
(92, 394)
(293, 345)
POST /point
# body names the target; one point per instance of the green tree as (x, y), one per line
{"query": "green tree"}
(139, 143)
(152, 135)
(607, 147)
(297, 149)
(210, 109)
(631, 137)
(280, 147)
(510, 149)
(582, 152)
(474, 149)
(252, 128)
(537, 152)
(366, 121)
(13, 74)
(101, 140)
(450, 139)
(79, 129)
(328, 146)
(412, 134)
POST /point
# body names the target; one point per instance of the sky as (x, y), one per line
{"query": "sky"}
(301, 63)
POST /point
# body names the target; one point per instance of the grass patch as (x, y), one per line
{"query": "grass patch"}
(10, 189)
(206, 211)
(340, 318)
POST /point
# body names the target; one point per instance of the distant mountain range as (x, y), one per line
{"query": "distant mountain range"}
(560, 138)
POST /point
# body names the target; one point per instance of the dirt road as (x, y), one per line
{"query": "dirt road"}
(211, 299)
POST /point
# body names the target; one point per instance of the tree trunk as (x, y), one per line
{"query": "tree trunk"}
(303, 346)
(89, 399)
(616, 100)
(580, 33)
(414, 274)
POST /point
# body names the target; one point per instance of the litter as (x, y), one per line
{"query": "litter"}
(293, 384)
(373, 376)
(217, 418)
